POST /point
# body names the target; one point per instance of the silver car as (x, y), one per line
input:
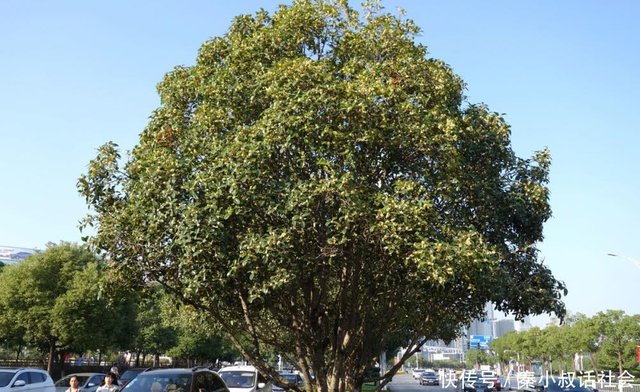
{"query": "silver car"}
(25, 380)
(87, 382)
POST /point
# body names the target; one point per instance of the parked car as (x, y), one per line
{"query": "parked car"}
(87, 382)
(129, 375)
(25, 380)
(244, 379)
(293, 378)
(429, 377)
(196, 379)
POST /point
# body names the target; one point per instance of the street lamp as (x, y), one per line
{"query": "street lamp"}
(634, 261)
(517, 358)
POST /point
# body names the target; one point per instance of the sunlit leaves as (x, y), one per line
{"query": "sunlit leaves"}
(315, 172)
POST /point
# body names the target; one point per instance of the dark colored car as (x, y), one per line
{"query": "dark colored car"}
(198, 379)
(429, 378)
(476, 382)
(129, 375)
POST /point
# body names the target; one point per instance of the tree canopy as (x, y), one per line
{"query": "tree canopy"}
(318, 185)
(52, 301)
(606, 341)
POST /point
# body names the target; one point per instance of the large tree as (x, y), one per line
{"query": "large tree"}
(317, 185)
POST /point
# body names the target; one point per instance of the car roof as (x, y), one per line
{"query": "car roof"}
(176, 370)
(169, 370)
(83, 374)
(244, 368)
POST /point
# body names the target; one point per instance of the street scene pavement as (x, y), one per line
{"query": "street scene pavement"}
(406, 383)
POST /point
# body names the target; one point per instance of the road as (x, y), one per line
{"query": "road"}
(406, 383)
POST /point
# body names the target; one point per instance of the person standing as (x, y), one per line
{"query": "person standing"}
(109, 384)
(73, 385)
(116, 373)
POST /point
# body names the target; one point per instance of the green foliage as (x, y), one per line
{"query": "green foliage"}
(198, 341)
(318, 186)
(52, 301)
(155, 335)
(608, 339)
(479, 357)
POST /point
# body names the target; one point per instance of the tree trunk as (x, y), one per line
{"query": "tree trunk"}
(52, 350)
(18, 352)
(620, 369)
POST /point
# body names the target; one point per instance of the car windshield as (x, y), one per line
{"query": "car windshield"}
(291, 377)
(64, 382)
(159, 382)
(129, 374)
(5, 378)
(238, 378)
(428, 374)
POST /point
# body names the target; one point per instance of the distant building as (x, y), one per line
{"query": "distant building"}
(523, 325)
(502, 327)
(482, 327)
(12, 255)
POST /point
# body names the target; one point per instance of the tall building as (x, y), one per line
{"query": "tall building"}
(484, 326)
(523, 325)
(502, 327)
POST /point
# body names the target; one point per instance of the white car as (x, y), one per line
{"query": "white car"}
(25, 380)
(417, 372)
(87, 382)
(244, 379)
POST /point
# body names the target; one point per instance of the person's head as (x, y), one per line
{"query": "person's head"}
(115, 371)
(109, 378)
(73, 381)
(156, 387)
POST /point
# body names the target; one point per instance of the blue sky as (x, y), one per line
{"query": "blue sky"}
(75, 74)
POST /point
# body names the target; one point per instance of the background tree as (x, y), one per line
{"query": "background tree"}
(154, 333)
(589, 340)
(476, 357)
(317, 185)
(87, 319)
(506, 348)
(619, 335)
(51, 299)
(198, 341)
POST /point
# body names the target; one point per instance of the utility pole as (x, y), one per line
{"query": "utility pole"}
(634, 261)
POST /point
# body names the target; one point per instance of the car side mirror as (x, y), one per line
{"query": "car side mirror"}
(261, 385)
(19, 383)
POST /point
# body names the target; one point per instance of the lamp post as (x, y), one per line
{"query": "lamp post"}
(517, 358)
(634, 261)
